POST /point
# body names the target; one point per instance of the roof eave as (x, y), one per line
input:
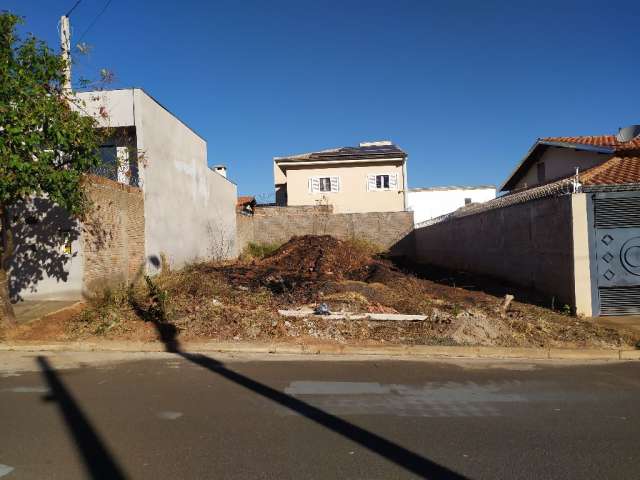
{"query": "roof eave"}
(512, 178)
(283, 162)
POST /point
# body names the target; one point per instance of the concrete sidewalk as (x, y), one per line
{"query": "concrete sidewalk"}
(29, 310)
(396, 351)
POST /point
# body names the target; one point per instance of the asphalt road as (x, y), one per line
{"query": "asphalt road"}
(188, 416)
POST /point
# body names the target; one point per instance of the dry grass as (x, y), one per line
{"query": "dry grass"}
(240, 301)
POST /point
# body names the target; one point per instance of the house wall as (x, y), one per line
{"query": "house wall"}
(40, 267)
(110, 108)
(353, 196)
(560, 163)
(189, 209)
(107, 248)
(529, 244)
(431, 203)
(113, 244)
(271, 225)
(581, 255)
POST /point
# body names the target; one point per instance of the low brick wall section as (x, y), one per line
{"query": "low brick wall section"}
(529, 244)
(389, 230)
(113, 238)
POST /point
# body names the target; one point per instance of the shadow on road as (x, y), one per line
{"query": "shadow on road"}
(97, 459)
(393, 452)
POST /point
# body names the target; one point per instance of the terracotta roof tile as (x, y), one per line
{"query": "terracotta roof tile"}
(599, 141)
(615, 171)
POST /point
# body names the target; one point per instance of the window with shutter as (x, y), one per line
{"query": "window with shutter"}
(371, 182)
(325, 184)
(384, 181)
(314, 184)
(393, 181)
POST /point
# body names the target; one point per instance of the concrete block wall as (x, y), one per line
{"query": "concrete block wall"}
(113, 234)
(278, 224)
(529, 244)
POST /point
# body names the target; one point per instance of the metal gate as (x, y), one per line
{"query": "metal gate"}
(615, 257)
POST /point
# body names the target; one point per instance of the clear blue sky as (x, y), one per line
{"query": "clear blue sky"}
(465, 87)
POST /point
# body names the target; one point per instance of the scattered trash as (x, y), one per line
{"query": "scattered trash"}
(504, 308)
(5, 470)
(359, 296)
(322, 309)
(382, 317)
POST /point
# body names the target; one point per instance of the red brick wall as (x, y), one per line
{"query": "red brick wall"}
(113, 237)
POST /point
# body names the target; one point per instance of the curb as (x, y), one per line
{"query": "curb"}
(406, 351)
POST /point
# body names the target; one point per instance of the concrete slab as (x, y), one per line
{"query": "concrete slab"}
(381, 317)
(629, 354)
(350, 351)
(442, 351)
(587, 353)
(30, 310)
(507, 352)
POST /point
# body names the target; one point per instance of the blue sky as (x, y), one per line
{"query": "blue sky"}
(465, 87)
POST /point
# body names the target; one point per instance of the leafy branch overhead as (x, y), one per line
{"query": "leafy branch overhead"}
(46, 145)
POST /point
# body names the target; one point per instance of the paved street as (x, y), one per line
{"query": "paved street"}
(175, 416)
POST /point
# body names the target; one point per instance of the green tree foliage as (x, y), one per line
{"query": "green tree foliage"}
(46, 145)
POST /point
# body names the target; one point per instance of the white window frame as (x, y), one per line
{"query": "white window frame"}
(325, 182)
(315, 184)
(372, 182)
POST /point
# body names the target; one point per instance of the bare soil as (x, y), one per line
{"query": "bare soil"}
(240, 300)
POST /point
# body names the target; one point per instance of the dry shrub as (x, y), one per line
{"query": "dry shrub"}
(240, 301)
(258, 251)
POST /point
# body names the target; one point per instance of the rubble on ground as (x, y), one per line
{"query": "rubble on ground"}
(241, 301)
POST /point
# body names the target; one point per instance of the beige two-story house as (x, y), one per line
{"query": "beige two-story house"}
(371, 177)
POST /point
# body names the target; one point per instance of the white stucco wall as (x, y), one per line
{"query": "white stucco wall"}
(429, 203)
(189, 209)
(40, 268)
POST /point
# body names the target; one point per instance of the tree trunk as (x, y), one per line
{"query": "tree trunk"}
(7, 316)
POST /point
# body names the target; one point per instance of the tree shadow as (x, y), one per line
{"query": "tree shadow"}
(391, 451)
(97, 459)
(43, 234)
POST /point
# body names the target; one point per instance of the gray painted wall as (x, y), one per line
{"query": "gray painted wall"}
(529, 244)
(189, 209)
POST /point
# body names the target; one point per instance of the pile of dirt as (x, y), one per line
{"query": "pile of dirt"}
(240, 301)
(302, 266)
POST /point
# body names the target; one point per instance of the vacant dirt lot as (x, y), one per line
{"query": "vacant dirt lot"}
(240, 301)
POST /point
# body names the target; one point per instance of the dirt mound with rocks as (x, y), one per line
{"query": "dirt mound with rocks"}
(241, 300)
(304, 264)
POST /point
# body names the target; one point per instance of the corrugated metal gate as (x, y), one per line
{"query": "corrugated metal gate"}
(616, 252)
